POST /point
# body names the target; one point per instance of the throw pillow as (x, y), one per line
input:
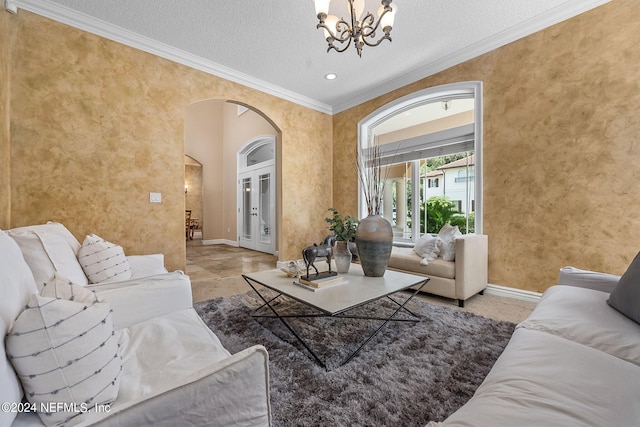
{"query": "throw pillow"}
(448, 234)
(427, 248)
(103, 261)
(626, 296)
(65, 353)
(59, 287)
(48, 248)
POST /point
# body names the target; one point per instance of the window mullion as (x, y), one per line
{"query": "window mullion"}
(416, 199)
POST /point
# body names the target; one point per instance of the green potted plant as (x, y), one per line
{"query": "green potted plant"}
(344, 228)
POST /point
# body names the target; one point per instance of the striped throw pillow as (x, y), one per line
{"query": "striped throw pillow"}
(65, 352)
(103, 261)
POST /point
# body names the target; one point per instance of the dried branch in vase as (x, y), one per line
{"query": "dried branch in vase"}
(373, 175)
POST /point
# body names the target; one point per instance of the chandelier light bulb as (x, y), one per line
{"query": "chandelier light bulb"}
(330, 21)
(322, 7)
(386, 21)
(358, 7)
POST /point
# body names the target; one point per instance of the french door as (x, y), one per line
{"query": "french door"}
(256, 207)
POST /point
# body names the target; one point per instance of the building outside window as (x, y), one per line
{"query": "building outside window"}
(403, 190)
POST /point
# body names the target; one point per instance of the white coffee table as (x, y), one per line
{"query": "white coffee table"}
(336, 301)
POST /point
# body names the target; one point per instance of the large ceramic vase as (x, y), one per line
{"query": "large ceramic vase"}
(342, 255)
(374, 238)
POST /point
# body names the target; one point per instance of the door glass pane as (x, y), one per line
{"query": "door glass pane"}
(246, 208)
(265, 208)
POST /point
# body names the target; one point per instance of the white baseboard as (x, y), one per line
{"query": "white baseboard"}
(226, 242)
(521, 294)
(220, 242)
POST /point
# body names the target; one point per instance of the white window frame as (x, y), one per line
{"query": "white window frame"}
(459, 90)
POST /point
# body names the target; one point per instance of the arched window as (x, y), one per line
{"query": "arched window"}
(428, 137)
(259, 151)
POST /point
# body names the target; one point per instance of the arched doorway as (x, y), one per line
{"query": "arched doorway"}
(215, 131)
(257, 194)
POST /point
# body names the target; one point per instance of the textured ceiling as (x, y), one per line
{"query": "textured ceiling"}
(274, 45)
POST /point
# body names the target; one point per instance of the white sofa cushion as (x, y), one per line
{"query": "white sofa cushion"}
(103, 261)
(16, 286)
(544, 380)
(136, 300)
(190, 351)
(146, 265)
(65, 352)
(48, 248)
(406, 259)
(201, 383)
(572, 276)
(582, 315)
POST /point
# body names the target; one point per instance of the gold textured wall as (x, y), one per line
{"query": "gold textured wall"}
(561, 150)
(96, 126)
(5, 189)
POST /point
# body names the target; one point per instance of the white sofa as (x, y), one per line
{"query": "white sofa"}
(174, 369)
(575, 361)
(459, 279)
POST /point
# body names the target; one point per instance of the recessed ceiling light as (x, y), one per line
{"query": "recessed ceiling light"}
(331, 76)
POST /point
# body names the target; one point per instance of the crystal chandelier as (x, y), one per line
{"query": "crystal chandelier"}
(358, 28)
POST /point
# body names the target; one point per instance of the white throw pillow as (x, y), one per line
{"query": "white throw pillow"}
(16, 286)
(448, 235)
(427, 248)
(103, 261)
(65, 353)
(59, 287)
(48, 248)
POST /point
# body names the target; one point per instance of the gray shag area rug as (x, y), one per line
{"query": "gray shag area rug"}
(408, 375)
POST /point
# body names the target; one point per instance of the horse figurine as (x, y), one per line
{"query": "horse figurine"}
(325, 249)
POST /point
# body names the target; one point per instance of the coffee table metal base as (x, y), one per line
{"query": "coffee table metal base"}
(343, 315)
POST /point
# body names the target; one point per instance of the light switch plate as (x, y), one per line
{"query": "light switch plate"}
(155, 197)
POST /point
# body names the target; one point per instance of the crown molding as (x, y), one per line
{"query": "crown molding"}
(92, 25)
(552, 17)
